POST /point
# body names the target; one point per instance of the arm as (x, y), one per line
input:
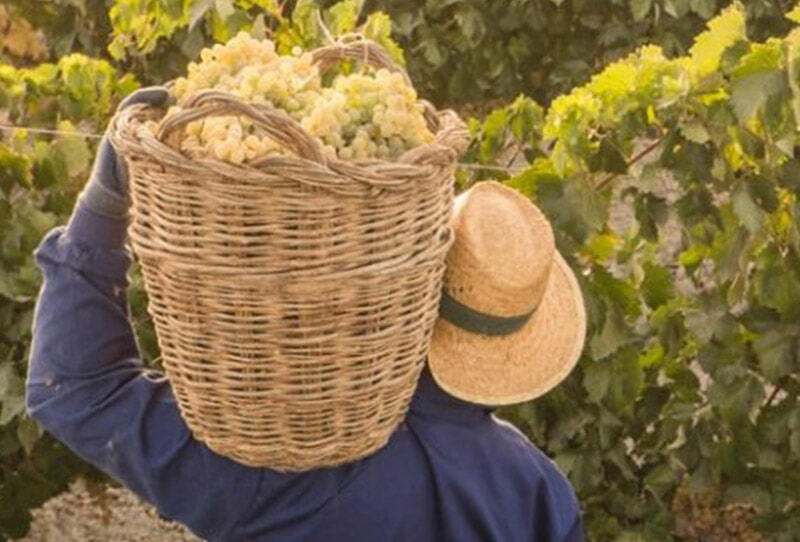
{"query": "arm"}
(88, 387)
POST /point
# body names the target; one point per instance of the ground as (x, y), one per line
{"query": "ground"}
(92, 512)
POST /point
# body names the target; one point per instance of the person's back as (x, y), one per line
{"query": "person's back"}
(450, 472)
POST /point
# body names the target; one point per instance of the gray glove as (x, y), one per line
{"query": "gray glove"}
(106, 193)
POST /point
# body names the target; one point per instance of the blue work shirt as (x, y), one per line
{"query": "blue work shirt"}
(450, 472)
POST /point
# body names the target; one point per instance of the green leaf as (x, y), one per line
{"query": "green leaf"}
(662, 478)
(596, 377)
(28, 433)
(750, 93)
(628, 381)
(342, 17)
(73, 149)
(471, 23)
(794, 441)
(696, 132)
(224, 8)
(749, 213)
(602, 247)
(650, 211)
(378, 27)
(493, 135)
(776, 351)
(693, 256)
(735, 396)
(611, 338)
(676, 8)
(704, 8)
(777, 286)
(608, 158)
(432, 53)
(50, 168)
(640, 8)
(304, 20)
(15, 169)
(652, 357)
(199, 10)
(763, 191)
(527, 181)
(657, 285)
(12, 393)
(618, 291)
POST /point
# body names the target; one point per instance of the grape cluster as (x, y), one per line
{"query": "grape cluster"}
(368, 114)
(703, 516)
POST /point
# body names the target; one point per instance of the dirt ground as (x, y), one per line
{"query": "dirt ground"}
(91, 512)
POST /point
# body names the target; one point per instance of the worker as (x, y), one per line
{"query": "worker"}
(511, 327)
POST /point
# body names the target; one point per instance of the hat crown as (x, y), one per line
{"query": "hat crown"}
(503, 252)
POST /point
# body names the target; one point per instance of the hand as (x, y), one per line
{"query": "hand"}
(106, 193)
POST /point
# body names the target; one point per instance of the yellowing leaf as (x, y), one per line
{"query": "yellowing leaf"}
(378, 27)
(723, 31)
(616, 80)
(794, 14)
(602, 247)
(342, 17)
(20, 38)
(762, 57)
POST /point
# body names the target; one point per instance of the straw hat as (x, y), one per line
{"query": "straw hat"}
(512, 323)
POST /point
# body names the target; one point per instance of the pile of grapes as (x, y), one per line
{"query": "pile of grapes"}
(365, 114)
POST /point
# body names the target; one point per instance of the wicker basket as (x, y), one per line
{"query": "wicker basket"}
(293, 298)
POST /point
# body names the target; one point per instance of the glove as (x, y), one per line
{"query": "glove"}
(106, 193)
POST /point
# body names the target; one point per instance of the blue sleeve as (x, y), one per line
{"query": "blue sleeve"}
(560, 504)
(88, 387)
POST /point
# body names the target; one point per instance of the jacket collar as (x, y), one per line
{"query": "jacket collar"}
(431, 400)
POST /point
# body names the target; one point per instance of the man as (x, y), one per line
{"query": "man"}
(512, 327)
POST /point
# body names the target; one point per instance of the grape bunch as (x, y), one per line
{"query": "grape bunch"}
(366, 114)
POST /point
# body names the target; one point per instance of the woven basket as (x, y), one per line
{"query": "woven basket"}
(293, 298)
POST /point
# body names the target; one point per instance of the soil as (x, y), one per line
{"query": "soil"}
(94, 512)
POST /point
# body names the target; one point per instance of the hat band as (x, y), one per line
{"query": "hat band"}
(469, 319)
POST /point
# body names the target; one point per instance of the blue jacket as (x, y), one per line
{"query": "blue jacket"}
(451, 471)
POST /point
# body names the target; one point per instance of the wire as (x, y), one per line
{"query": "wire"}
(9, 128)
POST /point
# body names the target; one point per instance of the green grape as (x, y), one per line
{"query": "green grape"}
(372, 114)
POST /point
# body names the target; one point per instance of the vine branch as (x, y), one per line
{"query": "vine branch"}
(644, 152)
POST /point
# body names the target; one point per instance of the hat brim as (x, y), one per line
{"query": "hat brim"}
(514, 368)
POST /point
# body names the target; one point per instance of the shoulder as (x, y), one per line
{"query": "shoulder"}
(556, 511)
(533, 458)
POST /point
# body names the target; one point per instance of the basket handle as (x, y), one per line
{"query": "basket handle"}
(275, 122)
(357, 47)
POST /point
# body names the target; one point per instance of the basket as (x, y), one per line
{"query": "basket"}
(294, 297)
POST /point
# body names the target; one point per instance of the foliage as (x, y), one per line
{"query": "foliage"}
(160, 37)
(691, 366)
(18, 38)
(671, 182)
(40, 177)
(471, 50)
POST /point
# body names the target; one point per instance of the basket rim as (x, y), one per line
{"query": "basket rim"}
(308, 166)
